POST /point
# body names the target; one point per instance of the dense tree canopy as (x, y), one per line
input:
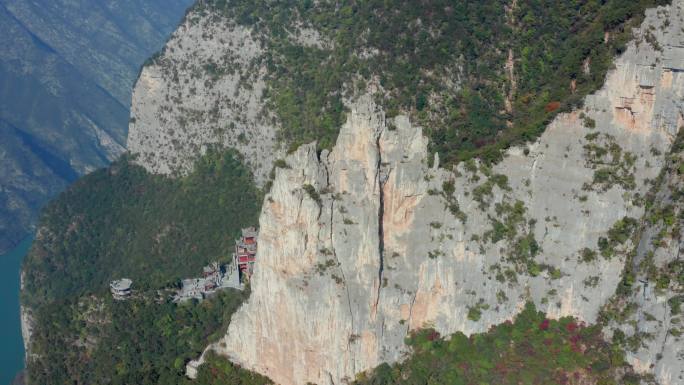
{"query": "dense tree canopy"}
(478, 75)
(531, 350)
(95, 340)
(124, 222)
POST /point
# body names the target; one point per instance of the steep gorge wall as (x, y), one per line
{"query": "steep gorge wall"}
(202, 91)
(648, 318)
(651, 324)
(361, 245)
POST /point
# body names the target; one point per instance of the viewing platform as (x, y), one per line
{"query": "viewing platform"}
(121, 289)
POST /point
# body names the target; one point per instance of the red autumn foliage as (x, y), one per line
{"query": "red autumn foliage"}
(501, 368)
(434, 335)
(481, 142)
(553, 106)
(544, 325)
(574, 343)
(571, 327)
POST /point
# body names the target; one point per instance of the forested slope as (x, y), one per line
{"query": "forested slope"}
(123, 222)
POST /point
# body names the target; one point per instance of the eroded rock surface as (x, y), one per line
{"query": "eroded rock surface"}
(361, 245)
(202, 91)
(647, 318)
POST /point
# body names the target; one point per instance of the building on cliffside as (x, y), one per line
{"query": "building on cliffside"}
(121, 289)
(245, 252)
(214, 277)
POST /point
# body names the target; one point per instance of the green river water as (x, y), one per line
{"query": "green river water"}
(11, 345)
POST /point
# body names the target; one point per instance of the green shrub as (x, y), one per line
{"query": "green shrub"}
(618, 234)
(313, 194)
(219, 370)
(676, 304)
(474, 313)
(587, 255)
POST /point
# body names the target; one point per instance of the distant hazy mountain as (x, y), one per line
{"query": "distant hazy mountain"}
(66, 72)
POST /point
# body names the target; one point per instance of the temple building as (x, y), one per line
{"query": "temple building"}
(245, 253)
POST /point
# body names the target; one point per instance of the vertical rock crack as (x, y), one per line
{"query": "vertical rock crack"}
(410, 315)
(382, 178)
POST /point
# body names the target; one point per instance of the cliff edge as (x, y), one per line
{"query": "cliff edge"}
(363, 244)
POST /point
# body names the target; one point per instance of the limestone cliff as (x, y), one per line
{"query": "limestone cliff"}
(360, 245)
(202, 91)
(647, 319)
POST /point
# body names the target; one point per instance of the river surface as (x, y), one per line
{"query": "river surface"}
(11, 345)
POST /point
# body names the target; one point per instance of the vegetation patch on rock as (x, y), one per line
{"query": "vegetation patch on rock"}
(478, 76)
(530, 350)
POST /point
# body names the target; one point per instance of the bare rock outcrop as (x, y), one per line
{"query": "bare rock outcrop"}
(360, 245)
(647, 318)
(201, 91)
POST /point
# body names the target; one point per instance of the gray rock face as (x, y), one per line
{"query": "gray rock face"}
(361, 245)
(201, 92)
(647, 315)
(66, 70)
(653, 327)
